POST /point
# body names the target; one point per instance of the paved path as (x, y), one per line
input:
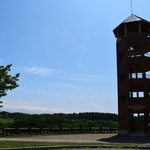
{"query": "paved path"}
(87, 138)
(79, 138)
(48, 140)
(83, 138)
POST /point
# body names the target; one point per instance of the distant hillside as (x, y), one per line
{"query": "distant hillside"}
(88, 119)
(85, 115)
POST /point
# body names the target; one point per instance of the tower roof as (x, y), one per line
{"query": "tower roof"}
(130, 21)
(133, 18)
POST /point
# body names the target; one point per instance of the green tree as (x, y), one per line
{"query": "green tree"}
(7, 81)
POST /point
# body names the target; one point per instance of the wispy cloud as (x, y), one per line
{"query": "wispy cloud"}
(65, 75)
(32, 108)
(42, 71)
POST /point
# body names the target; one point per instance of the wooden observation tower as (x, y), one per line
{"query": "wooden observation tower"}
(133, 73)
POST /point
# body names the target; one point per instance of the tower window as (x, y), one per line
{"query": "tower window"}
(139, 75)
(135, 114)
(136, 94)
(133, 75)
(148, 74)
(141, 94)
(130, 48)
(132, 27)
(147, 54)
(145, 28)
(130, 94)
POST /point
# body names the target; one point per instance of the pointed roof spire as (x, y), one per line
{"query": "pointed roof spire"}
(133, 18)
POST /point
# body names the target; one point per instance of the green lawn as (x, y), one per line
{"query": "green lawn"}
(16, 144)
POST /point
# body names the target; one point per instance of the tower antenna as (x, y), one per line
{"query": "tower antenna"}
(131, 7)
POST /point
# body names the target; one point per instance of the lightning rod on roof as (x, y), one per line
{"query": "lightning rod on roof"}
(131, 7)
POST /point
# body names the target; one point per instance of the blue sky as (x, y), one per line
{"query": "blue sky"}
(65, 51)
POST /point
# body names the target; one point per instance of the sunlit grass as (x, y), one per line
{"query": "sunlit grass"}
(17, 144)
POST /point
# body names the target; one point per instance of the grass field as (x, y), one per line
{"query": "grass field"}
(21, 144)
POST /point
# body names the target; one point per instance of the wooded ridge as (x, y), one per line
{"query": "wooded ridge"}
(85, 119)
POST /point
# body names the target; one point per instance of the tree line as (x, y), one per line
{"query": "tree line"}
(88, 119)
